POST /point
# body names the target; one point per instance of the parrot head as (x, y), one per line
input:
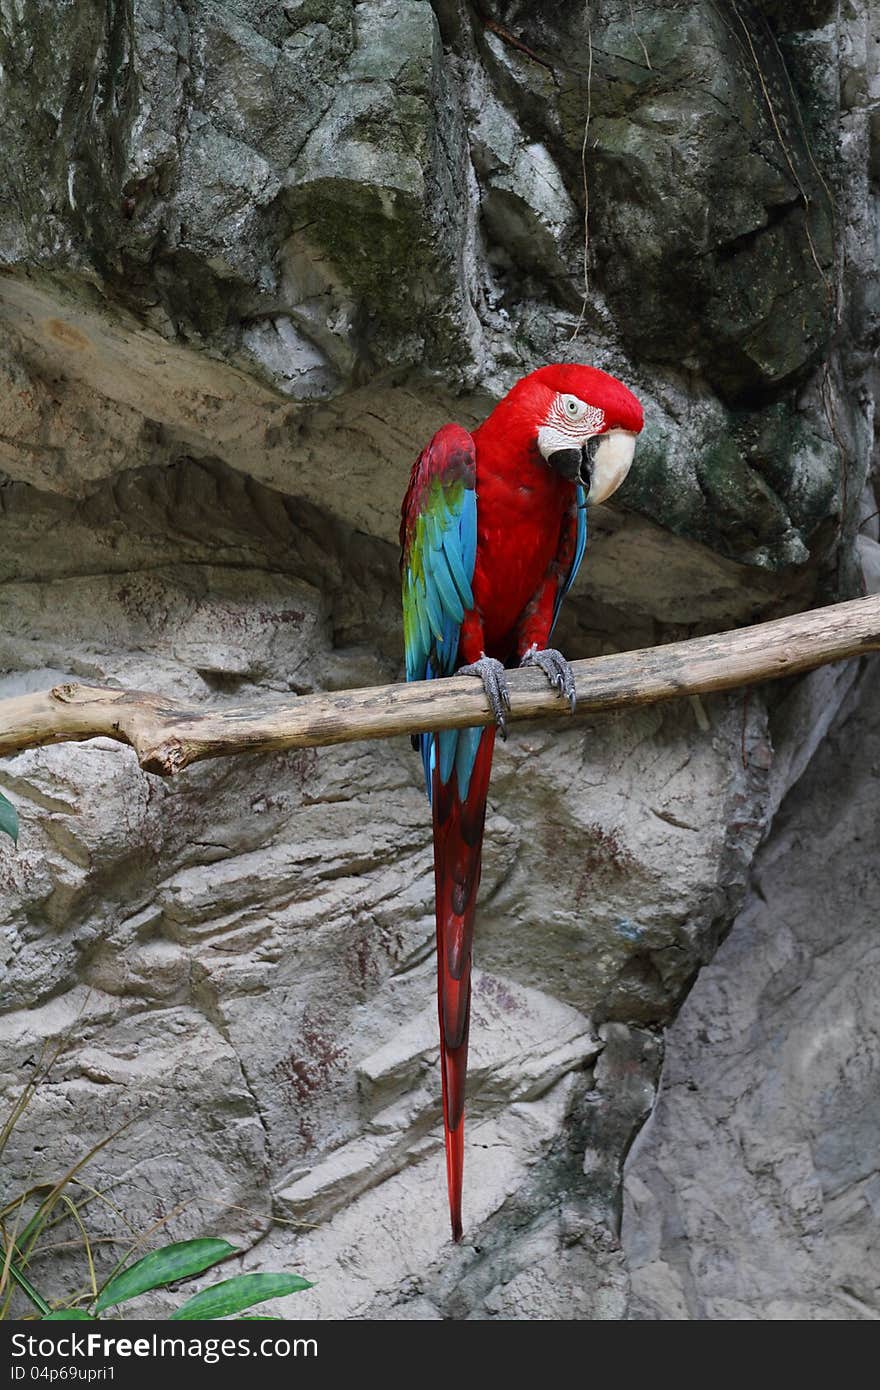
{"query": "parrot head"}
(583, 422)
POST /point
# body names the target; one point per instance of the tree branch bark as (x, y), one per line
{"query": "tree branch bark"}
(167, 737)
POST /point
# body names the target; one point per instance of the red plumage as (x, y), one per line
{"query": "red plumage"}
(524, 516)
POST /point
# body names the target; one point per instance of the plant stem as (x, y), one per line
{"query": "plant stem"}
(27, 1288)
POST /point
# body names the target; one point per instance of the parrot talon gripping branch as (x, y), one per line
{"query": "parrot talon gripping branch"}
(493, 531)
(557, 670)
(491, 673)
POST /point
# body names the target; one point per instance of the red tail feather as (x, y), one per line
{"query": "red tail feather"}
(458, 841)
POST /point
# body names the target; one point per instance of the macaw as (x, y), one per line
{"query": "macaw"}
(493, 530)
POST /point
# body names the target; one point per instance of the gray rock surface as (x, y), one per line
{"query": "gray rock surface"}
(251, 257)
(753, 1192)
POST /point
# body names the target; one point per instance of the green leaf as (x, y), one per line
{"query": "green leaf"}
(68, 1315)
(165, 1266)
(233, 1295)
(8, 818)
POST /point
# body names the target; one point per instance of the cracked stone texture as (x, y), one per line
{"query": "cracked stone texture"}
(251, 257)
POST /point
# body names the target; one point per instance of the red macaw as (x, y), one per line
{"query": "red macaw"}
(493, 530)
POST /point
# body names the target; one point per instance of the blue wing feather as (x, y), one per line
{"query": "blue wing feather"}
(439, 537)
(455, 553)
(444, 586)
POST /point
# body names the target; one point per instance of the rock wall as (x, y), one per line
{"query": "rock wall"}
(251, 256)
(753, 1191)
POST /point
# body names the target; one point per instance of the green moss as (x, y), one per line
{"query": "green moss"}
(740, 501)
(375, 236)
(799, 465)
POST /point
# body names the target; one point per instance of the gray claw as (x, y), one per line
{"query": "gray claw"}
(491, 673)
(557, 671)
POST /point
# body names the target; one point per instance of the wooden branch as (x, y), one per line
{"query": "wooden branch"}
(168, 737)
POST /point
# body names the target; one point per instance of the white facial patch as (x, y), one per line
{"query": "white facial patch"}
(570, 423)
(611, 463)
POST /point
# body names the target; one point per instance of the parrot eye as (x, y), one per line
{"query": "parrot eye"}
(573, 407)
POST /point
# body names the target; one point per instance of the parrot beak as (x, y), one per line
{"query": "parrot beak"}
(588, 459)
(600, 465)
(577, 464)
(567, 462)
(611, 456)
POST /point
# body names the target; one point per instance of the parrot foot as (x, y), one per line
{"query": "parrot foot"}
(556, 669)
(491, 673)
